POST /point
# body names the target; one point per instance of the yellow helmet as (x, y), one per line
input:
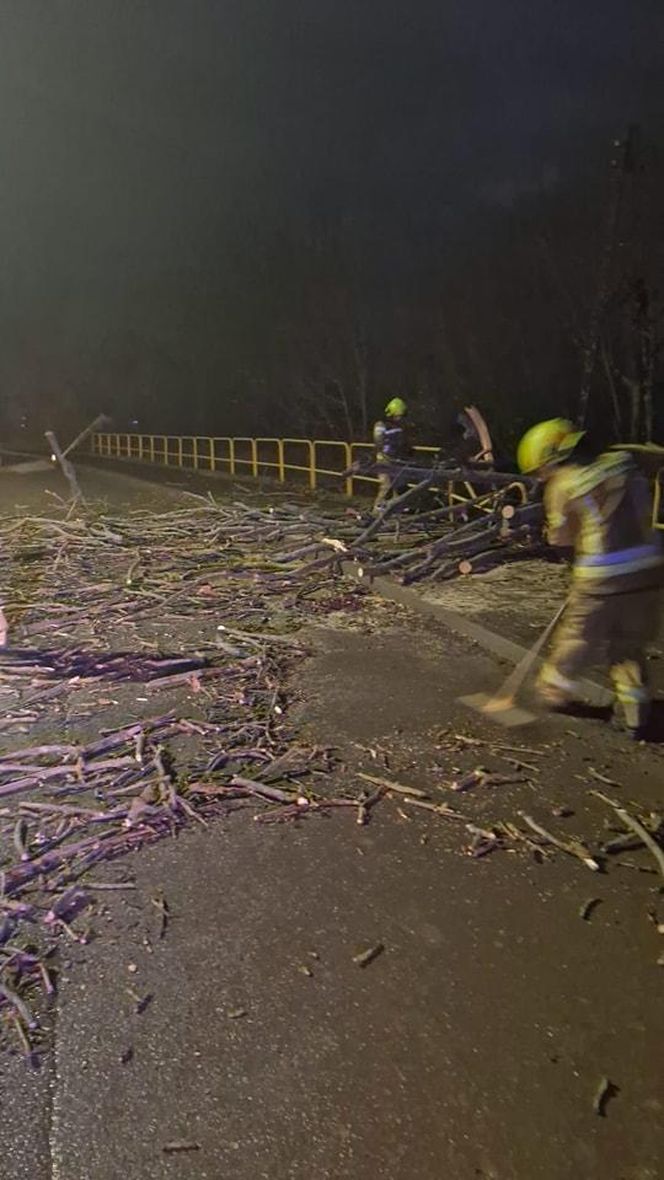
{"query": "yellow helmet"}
(396, 408)
(548, 442)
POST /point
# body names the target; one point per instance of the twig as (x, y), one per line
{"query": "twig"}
(390, 785)
(588, 906)
(574, 848)
(436, 808)
(605, 1091)
(16, 1002)
(162, 905)
(632, 822)
(602, 778)
(368, 956)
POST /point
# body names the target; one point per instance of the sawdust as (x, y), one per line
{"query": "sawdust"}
(530, 589)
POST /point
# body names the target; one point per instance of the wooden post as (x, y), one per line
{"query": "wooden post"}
(100, 420)
(67, 467)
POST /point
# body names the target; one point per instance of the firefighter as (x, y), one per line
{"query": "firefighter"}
(391, 443)
(600, 507)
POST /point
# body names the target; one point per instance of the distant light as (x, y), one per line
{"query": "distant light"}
(54, 458)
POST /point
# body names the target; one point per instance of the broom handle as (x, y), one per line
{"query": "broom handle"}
(518, 674)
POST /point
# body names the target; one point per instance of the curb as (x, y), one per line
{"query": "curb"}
(505, 649)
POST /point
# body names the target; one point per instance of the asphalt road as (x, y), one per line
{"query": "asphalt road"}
(472, 1047)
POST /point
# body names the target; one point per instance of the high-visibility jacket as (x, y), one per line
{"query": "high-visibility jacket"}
(390, 440)
(603, 511)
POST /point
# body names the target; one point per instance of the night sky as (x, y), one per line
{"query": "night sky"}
(151, 138)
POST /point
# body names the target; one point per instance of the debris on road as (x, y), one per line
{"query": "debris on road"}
(180, 1145)
(632, 822)
(388, 784)
(605, 1091)
(207, 630)
(435, 808)
(571, 847)
(483, 841)
(164, 913)
(588, 906)
(427, 533)
(480, 777)
(602, 778)
(364, 958)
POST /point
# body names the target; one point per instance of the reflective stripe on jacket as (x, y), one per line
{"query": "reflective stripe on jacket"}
(390, 440)
(603, 511)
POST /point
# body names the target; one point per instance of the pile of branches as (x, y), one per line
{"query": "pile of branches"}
(110, 617)
(430, 532)
(146, 688)
(438, 538)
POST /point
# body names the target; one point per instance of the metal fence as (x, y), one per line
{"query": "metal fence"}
(318, 463)
(658, 501)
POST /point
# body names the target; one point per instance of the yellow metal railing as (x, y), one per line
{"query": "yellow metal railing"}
(309, 459)
(658, 500)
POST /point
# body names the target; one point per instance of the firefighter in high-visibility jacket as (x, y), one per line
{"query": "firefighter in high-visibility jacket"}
(391, 443)
(601, 508)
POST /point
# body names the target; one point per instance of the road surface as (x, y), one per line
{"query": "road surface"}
(472, 1048)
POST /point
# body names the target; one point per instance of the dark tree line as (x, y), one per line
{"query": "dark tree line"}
(310, 331)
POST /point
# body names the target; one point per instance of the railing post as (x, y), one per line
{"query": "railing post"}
(280, 460)
(657, 499)
(312, 465)
(348, 464)
(180, 450)
(194, 451)
(212, 455)
(151, 445)
(231, 455)
(254, 457)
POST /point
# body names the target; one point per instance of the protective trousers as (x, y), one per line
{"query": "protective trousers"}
(383, 493)
(389, 486)
(613, 629)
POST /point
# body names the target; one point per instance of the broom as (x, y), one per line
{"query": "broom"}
(501, 707)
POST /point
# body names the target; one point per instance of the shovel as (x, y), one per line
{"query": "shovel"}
(501, 707)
